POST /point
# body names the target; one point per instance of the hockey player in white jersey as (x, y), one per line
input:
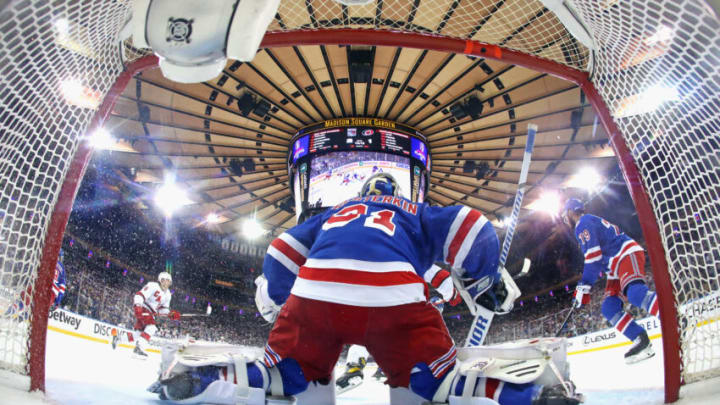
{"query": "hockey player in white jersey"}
(354, 275)
(148, 303)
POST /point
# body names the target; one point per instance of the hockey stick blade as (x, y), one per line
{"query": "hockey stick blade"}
(525, 269)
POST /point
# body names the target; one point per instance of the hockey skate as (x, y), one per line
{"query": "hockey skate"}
(352, 377)
(559, 394)
(641, 349)
(139, 353)
(379, 375)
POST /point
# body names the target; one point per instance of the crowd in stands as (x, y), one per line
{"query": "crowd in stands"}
(95, 292)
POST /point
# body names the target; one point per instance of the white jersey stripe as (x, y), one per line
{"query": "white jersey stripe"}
(430, 274)
(359, 295)
(299, 247)
(457, 222)
(284, 260)
(468, 242)
(361, 265)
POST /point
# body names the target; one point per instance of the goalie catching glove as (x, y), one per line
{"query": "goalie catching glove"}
(265, 305)
(498, 297)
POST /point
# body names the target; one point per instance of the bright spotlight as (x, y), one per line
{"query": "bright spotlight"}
(587, 178)
(647, 101)
(252, 229)
(169, 198)
(62, 25)
(212, 218)
(79, 95)
(101, 139)
(549, 202)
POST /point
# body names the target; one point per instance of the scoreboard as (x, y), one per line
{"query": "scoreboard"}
(360, 134)
(329, 160)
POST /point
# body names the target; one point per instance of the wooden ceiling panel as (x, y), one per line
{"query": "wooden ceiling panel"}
(195, 130)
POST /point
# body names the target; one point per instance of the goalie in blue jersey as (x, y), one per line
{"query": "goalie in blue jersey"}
(356, 274)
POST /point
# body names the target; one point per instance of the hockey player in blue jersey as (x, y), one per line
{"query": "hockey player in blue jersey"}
(58, 286)
(356, 275)
(608, 250)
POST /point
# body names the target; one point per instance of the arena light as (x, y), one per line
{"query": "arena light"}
(101, 139)
(212, 218)
(586, 178)
(169, 197)
(549, 202)
(647, 101)
(79, 95)
(62, 25)
(252, 229)
(663, 35)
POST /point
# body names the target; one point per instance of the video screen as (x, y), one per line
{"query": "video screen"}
(419, 151)
(338, 176)
(300, 148)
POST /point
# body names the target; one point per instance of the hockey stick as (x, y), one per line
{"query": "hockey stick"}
(567, 318)
(483, 316)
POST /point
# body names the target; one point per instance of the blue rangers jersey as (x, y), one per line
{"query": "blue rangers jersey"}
(58, 286)
(603, 245)
(378, 251)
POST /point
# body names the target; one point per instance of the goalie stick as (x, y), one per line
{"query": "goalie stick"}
(483, 316)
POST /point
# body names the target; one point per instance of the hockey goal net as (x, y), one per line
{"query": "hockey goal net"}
(651, 71)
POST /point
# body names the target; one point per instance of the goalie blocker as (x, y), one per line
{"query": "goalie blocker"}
(218, 374)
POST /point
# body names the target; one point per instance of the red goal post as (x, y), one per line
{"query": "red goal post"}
(610, 83)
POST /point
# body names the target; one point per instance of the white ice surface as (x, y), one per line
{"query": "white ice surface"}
(87, 372)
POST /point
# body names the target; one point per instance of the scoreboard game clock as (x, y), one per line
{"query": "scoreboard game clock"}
(330, 160)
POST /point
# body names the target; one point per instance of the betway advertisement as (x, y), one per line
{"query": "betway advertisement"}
(81, 326)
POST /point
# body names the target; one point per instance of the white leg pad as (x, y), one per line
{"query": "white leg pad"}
(403, 396)
(471, 401)
(318, 394)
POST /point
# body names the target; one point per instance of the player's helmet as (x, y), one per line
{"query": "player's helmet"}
(573, 204)
(164, 276)
(380, 184)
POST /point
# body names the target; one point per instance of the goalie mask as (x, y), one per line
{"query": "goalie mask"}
(380, 184)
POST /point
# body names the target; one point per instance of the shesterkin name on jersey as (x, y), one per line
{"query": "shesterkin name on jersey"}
(401, 203)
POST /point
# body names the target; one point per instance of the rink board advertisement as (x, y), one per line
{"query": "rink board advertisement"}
(80, 326)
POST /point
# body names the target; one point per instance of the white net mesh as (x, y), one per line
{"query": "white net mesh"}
(526, 25)
(658, 69)
(57, 61)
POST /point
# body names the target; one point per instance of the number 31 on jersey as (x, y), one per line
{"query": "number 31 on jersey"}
(382, 219)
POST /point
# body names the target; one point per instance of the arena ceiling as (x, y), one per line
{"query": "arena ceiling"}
(196, 130)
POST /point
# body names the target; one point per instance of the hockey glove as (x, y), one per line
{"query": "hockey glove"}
(174, 315)
(139, 311)
(581, 295)
(500, 298)
(438, 303)
(443, 283)
(265, 305)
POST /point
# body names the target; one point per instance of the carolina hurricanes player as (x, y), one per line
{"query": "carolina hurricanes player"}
(354, 275)
(151, 301)
(607, 249)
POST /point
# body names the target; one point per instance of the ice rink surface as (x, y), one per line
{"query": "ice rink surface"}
(89, 372)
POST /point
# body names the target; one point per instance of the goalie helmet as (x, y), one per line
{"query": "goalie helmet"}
(380, 184)
(165, 276)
